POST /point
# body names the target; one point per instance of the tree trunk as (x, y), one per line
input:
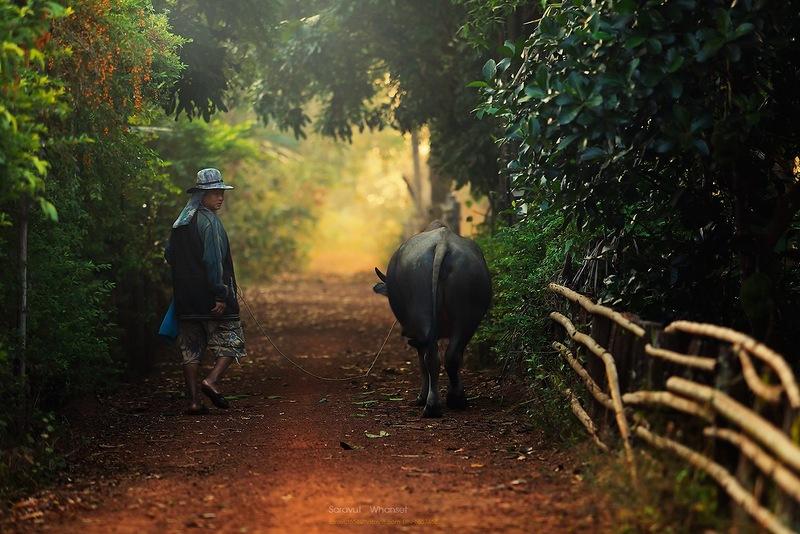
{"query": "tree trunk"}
(416, 183)
(21, 362)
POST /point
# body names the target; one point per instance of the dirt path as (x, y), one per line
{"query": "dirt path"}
(275, 462)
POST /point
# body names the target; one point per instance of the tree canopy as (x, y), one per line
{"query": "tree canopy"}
(668, 130)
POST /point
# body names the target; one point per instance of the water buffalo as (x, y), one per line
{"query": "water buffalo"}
(438, 287)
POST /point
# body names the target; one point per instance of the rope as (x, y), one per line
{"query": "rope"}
(288, 359)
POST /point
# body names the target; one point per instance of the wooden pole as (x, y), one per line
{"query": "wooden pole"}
(597, 309)
(727, 481)
(666, 398)
(759, 350)
(755, 425)
(585, 420)
(591, 385)
(613, 383)
(767, 392)
(783, 477)
(699, 362)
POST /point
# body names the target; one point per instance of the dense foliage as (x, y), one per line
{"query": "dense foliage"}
(91, 274)
(29, 98)
(645, 152)
(670, 129)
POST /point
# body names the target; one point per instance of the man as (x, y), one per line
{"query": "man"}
(204, 290)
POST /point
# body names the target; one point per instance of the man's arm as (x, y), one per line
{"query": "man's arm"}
(210, 229)
(168, 251)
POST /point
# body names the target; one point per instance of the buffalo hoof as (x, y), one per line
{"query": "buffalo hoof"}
(457, 402)
(432, 411)
(419, 401)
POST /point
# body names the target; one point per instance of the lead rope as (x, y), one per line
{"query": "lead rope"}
(288, 359)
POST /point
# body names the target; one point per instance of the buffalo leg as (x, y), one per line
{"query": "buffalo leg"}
(452, 363)
(433, 407)
(423, 373)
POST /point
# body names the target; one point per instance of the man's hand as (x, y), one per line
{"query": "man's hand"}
(219, 308)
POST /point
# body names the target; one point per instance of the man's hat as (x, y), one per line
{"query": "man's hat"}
(209, 179)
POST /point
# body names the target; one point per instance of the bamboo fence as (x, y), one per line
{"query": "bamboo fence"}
(737, 401)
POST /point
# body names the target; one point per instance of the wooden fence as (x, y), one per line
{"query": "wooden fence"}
(737, 400)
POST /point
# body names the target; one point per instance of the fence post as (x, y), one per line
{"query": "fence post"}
(600, 332)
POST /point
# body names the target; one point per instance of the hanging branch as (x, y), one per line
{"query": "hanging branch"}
(759, 350)
(597, 309)
(699, 362)
(768, 392)
(591, 385)
(666, 398)
(613, 382)
(766, 463)
(584, 418)
(758, 427)
(727, 481)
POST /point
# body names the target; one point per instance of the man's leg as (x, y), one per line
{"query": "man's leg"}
(190, 373)
(191, 342)
(226, 343)
(223, 362)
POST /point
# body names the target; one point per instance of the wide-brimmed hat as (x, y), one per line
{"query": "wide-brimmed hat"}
(209, 179)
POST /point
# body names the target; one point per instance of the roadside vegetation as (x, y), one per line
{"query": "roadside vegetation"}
(643, 153)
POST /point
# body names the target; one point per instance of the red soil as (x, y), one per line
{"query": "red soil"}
(275, 461)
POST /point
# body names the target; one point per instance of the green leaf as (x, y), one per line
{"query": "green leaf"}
(503, 64)
(566, 141)
(56, 10)
(675, 64)
(591, 153)
(701, 146)
(675, 88)
(633, 42)
(663, 146)
(534, 128)
(531, 92)
(40, 165)
(478, 83)
(594, 101)
(708, 50)
(542, 76)
(489, 69)
(654, 46)
(744, 29)
(48, 209)
(13, 48)
(567, 115)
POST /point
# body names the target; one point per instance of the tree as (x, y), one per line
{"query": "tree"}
(669, 131)
(365, 63)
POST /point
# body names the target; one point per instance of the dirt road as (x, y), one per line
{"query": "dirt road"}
(298, 455)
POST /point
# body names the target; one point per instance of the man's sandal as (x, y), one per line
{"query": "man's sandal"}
(217, 398)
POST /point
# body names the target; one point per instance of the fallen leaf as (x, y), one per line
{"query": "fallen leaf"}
(381, 434)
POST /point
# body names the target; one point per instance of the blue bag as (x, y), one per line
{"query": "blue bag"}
(169, 326)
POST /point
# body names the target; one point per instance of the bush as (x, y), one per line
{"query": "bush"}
(523, 259)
